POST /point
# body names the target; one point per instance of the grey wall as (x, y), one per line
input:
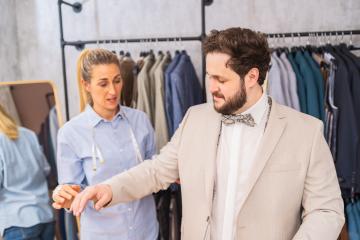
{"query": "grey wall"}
(9, 70)
(35, 29)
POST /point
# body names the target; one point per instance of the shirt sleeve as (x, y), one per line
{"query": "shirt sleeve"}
(70, 170)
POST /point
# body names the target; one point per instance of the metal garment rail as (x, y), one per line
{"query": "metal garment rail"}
(77, 7)
(314, 34)
(326, 36)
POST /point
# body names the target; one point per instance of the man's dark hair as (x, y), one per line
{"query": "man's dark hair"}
(247, 49)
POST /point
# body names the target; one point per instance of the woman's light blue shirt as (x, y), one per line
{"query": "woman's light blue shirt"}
(134, 220)
(24, 197)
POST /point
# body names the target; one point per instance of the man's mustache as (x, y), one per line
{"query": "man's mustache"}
(218, 95)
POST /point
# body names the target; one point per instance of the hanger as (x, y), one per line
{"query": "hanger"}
(296, 48)
(127, 54)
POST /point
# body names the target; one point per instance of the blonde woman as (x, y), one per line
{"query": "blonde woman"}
(102, 141)
(25, 212)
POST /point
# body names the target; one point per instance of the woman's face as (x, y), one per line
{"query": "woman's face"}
(105, 87)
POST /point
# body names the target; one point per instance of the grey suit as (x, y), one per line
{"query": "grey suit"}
(275, 86)
(152, 90)
(160, 123)
(143, 81)
(292, 88)
(284, 80)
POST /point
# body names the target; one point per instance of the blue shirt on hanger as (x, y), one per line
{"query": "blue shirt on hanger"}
(185, 90)
(24, 198)
(134, 220)
(168, 93)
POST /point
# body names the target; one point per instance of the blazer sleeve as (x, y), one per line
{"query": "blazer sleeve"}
(149, 176)
(323, 209)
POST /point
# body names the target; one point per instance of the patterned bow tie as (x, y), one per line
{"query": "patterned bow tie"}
(247, 119)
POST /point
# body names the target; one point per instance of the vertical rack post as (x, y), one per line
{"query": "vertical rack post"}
(63, 63)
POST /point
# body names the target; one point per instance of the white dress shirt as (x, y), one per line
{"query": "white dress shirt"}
(238, 145)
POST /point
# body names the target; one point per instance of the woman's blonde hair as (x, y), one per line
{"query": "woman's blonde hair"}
(8, 125)
(87, 59)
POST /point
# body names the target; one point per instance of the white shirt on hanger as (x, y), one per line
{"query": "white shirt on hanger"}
(238, 146)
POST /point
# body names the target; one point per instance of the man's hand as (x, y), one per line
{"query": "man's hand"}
(63, 195)
(101, 195)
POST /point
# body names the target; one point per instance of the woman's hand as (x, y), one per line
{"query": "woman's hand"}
(63, 195)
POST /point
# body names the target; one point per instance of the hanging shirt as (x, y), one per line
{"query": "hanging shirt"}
(186, 90)
(236, 153)
(144, 87)
(134, 220)
(24, 199)
(161, 128)
(276, 88)
(292, 85)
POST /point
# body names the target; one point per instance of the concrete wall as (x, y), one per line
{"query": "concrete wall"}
(37, 27)
(9, 69)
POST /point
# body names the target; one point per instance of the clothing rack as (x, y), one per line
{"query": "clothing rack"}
(325, 35)
(77, 7)
(309, 34)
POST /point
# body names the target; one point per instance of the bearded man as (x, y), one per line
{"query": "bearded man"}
(249, 167)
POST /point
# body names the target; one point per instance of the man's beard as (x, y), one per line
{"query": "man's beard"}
(234, 103)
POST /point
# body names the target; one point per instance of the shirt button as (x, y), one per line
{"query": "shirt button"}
(131, 228)
(129, 209)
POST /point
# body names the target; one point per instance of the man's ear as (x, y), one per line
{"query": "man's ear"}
(252, 77)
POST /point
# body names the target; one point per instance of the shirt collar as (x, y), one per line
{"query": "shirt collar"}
(94, 118)
(258, 110)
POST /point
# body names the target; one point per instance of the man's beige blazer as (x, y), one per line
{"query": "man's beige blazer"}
(292, 192)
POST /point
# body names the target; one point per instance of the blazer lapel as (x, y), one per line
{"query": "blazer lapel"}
(274, 130)
(211, 137)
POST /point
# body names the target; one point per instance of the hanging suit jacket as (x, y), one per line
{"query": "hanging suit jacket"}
(143, 84)
(353, 227)
(275, 86)
(284, 80)
(185, 89)
(161, 128)
(168, 93)
(312, 99)
(353, 66)
(347, 134)
(301, 90)
(319, 82)
(354, 83)
(127, 66)
(292, 191)
(294, 99)
(152, 92)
